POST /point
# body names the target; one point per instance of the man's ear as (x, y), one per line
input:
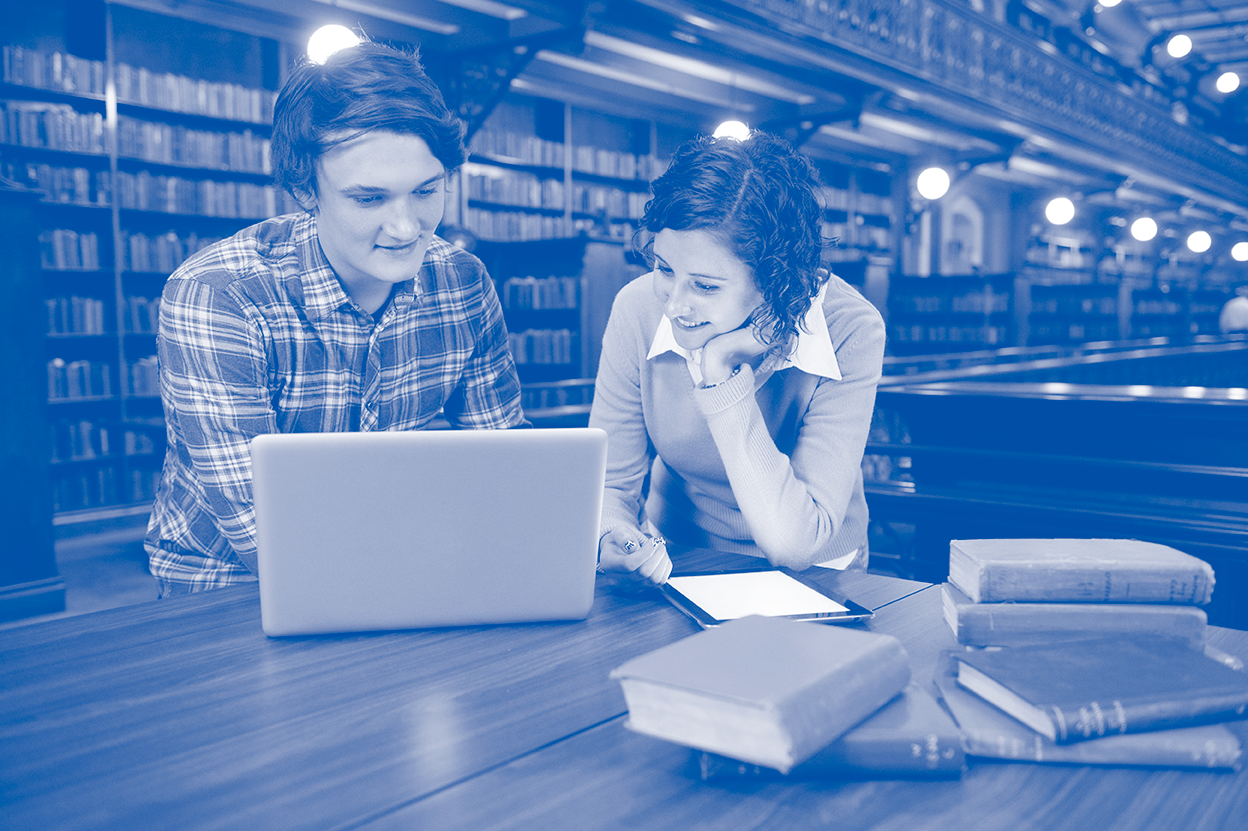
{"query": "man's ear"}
(306, 199)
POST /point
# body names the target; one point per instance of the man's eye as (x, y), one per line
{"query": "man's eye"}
(366, 200)
(429, 191)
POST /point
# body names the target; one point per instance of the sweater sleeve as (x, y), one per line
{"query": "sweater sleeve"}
(617, 409)
(795, 505)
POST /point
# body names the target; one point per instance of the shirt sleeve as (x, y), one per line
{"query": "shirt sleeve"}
(795, 504)
(488, 395)
(617, 409)
(214, 384)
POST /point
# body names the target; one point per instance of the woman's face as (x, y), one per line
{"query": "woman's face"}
(705, 288)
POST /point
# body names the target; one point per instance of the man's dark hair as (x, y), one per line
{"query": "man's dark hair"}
(357, 90)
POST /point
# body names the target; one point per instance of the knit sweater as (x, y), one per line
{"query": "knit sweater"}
(767, 464)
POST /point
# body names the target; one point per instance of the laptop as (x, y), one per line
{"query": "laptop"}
(400, 530)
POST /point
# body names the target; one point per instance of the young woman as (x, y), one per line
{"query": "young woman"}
(738, 376)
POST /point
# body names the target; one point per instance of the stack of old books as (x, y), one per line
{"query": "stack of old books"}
(766, 696)
(1087, 651)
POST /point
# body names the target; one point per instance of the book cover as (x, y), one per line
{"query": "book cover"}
(763, 690)
(1014, 624)
(1071, 692)
(1077, 570)
(989, 733)
(909, 737)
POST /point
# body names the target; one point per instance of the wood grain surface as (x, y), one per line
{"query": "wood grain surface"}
(182, 714)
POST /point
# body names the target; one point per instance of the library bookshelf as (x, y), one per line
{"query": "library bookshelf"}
(136, 170)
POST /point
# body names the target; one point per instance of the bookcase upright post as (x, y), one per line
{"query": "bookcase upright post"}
(29, 581)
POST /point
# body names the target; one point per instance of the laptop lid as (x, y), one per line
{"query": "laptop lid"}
(399, 530)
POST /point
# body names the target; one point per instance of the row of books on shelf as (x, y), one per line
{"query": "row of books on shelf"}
(539, 152)
(63, 249)
(611, 202)
(514, 225)
(868, 237)
(1075, 305)
(977, 302)
(916, 333)
(515, 188)
(541, 397)
(63, 185)
(82, 440)
(836, 199)
(542, 346)
(86, 378)
(60, 127)
(1087, 652)
(144, 191)
(1062, 332)
(102, 486)
(160, 253)
(76, 315)
(541, 293)
(61, 72)
(52, 127)
(153, 141)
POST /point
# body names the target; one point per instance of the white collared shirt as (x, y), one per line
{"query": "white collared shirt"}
(812, 352)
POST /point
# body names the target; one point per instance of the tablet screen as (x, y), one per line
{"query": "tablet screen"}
(737, 594)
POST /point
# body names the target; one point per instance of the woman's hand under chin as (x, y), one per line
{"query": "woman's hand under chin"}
(724, 353)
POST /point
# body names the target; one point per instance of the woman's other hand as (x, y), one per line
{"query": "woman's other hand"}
(634, 556)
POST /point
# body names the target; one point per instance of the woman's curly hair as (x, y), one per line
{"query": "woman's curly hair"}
(760, 197)
(366, 87)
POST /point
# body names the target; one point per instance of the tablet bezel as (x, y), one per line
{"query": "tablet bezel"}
(855, 612)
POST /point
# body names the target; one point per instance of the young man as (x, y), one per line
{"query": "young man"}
(349, 316)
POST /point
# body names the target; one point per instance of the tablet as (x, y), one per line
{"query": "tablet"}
(714, 597)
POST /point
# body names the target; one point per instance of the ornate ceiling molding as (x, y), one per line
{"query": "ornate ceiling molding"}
(970, 56)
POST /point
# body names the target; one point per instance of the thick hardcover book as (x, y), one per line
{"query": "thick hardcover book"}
(762, 690)
(909, 737)
(1077, 571)
(1071, 692)
(989, 733)
(1014, 624)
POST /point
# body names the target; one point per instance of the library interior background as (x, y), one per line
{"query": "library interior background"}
(1047, 201)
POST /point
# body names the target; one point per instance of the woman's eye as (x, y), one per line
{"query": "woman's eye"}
(705, 288)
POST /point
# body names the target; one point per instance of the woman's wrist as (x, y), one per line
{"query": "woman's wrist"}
(708, 383)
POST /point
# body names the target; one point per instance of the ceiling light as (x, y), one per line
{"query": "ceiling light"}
(1228, 82)
(933, 183)
(733, 129)
(1240, 251)
(1059, 211)
(1178, 46)
(1199, 241)
(1144, 229)
(1109, 4)
(327, 40)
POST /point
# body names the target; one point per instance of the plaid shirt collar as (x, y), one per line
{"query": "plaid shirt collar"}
(316, 287)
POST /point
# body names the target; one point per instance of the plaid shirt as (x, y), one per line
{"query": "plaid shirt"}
(258, 336)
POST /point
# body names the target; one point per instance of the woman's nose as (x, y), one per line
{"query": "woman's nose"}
(677, 302)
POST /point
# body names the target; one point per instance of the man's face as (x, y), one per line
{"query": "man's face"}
(378, 201)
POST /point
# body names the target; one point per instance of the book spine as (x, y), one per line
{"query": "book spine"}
(1016, 624)
(1168, 749)
(1097, 719)
(870, 681)
(930, 756)
(1119, 583)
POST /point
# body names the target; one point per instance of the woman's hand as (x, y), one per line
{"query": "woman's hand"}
(634, 556)
(724, 353)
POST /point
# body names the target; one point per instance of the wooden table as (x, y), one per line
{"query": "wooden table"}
(181, 714)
